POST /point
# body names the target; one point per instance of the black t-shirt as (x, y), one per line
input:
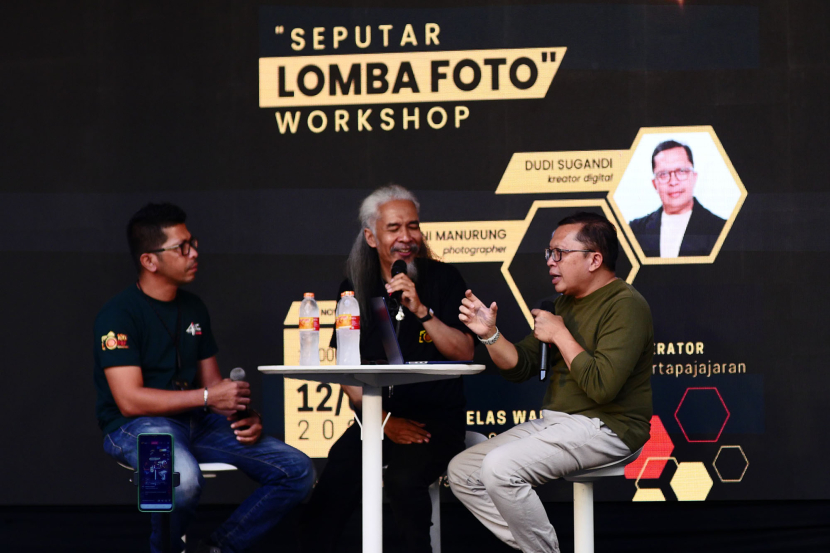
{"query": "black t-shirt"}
(441, 288)
(130, 330)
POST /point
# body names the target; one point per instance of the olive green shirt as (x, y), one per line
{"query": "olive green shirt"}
(610, 380)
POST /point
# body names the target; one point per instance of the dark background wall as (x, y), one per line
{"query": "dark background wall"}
(108, 105)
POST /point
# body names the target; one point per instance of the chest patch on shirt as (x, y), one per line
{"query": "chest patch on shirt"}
(194, 329)
(424, 338)
(111, 341)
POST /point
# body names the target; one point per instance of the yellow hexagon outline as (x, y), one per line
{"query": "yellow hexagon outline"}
(541, 204)
(682, 477)
(643, 468)
(715, 466)
(726, 227)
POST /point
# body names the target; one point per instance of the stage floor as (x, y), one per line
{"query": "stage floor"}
(802, 526)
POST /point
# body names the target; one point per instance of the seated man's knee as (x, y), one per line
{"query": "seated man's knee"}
(292, 468)
(190, 484)
(458, 470)
(495, 470)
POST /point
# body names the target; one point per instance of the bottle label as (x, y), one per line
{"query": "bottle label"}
(348, 322)
(309, 323)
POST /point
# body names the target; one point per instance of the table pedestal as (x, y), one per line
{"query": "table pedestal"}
(373, 378)
(372, 469)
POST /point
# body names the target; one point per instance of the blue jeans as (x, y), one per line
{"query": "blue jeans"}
(285, 474)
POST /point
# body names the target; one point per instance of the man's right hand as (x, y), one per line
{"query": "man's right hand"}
(406, 431)
(478, 317)
(229, 396)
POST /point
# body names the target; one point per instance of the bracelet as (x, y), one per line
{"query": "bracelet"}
(206, 395)
(491, 340)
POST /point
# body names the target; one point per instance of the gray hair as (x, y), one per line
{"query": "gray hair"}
(370, 208)
(363, 264)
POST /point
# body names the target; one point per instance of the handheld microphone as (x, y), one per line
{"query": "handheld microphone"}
(238, 375)
(544, 348)
(398, 267)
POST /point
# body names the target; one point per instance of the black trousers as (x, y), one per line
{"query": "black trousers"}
(410, 471)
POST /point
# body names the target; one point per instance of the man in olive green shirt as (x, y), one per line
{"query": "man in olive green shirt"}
(598, 404)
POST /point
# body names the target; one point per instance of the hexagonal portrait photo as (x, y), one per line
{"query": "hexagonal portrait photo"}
(678, 195)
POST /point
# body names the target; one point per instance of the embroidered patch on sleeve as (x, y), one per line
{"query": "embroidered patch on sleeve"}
(111, 341)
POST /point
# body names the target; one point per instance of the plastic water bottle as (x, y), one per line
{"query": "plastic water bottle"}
(309, 330)
(348, 330)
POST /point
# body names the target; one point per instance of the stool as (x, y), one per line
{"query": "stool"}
(471, 439)
(584, 499)
(209, 470)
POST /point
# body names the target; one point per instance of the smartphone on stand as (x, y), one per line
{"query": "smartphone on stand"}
(155, 472)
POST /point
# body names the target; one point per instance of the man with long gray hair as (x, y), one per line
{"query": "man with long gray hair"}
(426, 427)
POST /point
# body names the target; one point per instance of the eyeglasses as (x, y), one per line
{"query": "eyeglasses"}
(184, 247)
(680, 174)
(556, 253)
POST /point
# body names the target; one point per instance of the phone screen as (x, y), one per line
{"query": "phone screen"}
(155, 472)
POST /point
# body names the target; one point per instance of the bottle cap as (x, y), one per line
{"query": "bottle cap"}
(347, 293)
(309, 295)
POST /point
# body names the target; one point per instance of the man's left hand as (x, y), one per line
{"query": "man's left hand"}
(249, 435)
(547, 326)
(409, 297)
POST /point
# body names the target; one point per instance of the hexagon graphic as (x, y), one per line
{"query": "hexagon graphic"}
(701, 414)
(730, 463)
(645, 201)
(651, 494)
(524, 269)
(652, 460)
(691, 482)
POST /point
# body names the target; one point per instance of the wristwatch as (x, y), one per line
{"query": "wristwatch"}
(428, 316)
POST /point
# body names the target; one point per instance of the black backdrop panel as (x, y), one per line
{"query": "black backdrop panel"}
(109, 105)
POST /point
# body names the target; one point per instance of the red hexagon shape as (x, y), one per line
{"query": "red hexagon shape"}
(697, 393)
(659, 445)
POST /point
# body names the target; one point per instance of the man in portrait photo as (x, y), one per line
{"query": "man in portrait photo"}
(681, 227)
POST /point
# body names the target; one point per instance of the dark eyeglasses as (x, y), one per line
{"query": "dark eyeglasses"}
(184, 247)
(556, 253)
(680, 174)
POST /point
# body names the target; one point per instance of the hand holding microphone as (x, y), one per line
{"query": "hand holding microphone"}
(238, 375)
(544, 347)
(398, 267)
(247, 424)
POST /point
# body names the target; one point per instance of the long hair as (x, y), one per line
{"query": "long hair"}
(363, 264)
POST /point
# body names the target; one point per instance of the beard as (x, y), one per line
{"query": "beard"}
(412, 271)
(411, 267)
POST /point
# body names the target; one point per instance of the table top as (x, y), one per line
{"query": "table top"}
(373, 375)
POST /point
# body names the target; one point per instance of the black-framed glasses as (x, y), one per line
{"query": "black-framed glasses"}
(556, 253)
(184, 247)
(680, 174)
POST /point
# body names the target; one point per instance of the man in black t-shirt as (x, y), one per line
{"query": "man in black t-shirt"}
(426, 427)
(156, 372)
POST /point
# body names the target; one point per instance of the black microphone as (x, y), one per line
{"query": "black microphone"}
(398, 267)
(547, 305)
(238, 375)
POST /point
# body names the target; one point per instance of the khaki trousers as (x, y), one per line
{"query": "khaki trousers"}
(495, 479)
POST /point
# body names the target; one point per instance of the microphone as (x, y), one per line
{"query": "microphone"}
(398, 267)
(548, 306)
(238, 375)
